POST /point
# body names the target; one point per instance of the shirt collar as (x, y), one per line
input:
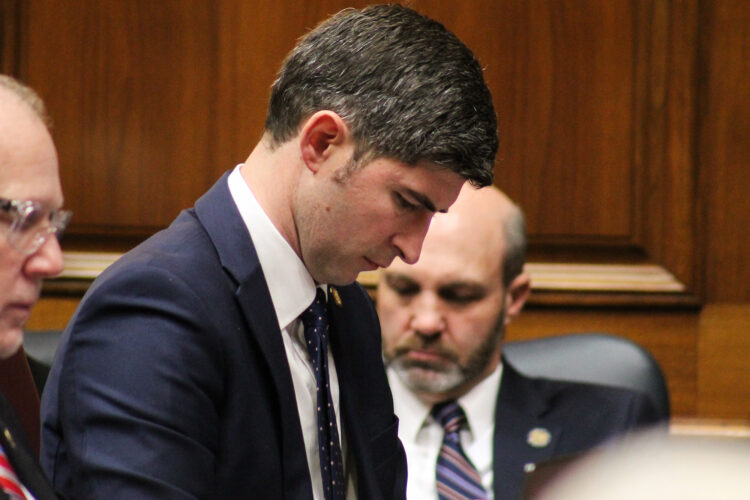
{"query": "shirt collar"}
(480, 402)
(411, 412)
(478, 405)
(290, 285)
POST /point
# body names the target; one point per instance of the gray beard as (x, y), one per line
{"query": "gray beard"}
(441, 379)
(421, 378)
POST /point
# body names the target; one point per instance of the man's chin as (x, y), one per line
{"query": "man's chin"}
(424, 377)
(11, 339)
(337, 277)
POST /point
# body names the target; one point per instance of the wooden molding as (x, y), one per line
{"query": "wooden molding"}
(636, 278)
(642, 278)
(86, 265)
(545, 276)
(736, 429)
(555, 284)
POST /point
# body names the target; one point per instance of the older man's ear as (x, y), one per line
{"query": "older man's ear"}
(516, 295)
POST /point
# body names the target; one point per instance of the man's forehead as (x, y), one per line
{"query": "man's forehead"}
(434, 277)
(28, 158)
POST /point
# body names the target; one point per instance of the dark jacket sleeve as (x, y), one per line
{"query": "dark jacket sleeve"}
(134, 392)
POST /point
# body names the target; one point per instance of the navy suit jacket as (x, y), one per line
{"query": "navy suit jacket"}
(171, 380)
(20, 455)
(564, 418)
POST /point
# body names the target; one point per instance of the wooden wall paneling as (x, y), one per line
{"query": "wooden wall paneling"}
(11, 31)
(52, 313)
(665, 144)
(724, 362)
(130, 86)
(724, 130)
(724, 145)
(561, 77)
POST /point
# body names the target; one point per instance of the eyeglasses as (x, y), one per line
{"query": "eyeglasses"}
(29, 224)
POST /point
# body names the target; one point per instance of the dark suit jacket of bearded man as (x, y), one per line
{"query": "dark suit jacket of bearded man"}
(539, 419)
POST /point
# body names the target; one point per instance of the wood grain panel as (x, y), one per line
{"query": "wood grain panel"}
(724, 362)
(725, 148)
(562, 79)
(11, 33)
(130, 87)
(664, 148)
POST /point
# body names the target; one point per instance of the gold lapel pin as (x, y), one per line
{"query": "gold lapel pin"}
(9, 438)
(336, 297)
(538, 437)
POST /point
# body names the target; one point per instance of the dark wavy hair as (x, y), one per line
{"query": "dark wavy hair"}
(406, 86)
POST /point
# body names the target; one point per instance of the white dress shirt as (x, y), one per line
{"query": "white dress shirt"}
(292, 290)
(422, 436)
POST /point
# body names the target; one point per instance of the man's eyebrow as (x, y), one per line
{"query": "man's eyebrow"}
(471, 285)
(390, 276)
(423, 200)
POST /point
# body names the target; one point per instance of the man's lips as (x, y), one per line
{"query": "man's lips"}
(371, 265)
(422, 356)
(21, 304)
(20, 311)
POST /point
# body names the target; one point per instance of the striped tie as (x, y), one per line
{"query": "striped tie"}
(456, 477)
(8, 479)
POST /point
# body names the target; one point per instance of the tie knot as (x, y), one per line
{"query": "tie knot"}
(450, 415)
(315, 315)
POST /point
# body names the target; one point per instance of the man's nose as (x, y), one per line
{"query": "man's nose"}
(409, 241)
(427, 319)
(47, 261)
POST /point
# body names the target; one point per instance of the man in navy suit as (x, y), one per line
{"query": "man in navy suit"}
(183, 372)
(30, 221)
(443, 321)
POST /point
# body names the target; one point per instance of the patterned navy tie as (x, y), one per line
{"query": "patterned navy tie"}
(316, 338)
(457, 478)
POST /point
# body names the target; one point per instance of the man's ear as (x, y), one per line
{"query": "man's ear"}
(319, 136)
(516, 295)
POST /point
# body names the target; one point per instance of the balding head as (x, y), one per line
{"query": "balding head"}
(27, 96)
(484, 217)
(25, 142)
(30, 193)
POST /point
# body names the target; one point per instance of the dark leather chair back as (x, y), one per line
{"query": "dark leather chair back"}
(596, 358)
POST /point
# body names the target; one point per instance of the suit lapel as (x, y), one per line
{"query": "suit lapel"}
(338, 320)
(219, 216)
(257, 308)
(346, 337)
(521, 434)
